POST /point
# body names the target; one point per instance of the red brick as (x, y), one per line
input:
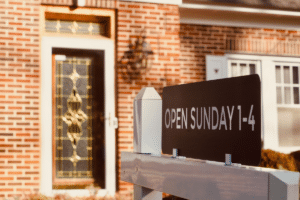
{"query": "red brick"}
(6, 189)
(6, 179)
(133, 6)
(32, 140)
(23, 134)
(22, 39)
(15, 65)
(14, 140)
(15, 173)
(140, 12)
(15, 13)
(14, 3)
(14, 162)
(6, 156)
(6, 38)
(23, 178)
(23, 9)
(14, 33)
(32, 76)
(23, 29)
(23, 189)
(6, 80)
(24, 50)
(15, 97)
(23, 167)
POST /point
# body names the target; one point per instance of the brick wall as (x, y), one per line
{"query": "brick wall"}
(179, 57)
(196, 41)
(161, 25)
(19, 97)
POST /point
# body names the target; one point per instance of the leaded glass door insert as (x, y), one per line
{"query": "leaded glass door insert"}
(78, 140)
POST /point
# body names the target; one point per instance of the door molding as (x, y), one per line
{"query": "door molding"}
(47, 44)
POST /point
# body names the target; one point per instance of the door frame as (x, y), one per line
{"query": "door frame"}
(47, 43)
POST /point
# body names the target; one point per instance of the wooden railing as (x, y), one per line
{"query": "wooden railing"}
(88, 3)
(273, 47)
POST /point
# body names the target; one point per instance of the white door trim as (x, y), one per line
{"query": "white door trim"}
(46, 111)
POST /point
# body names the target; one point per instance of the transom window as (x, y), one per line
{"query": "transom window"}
(74, 27)
(77, 24)
(243, 67)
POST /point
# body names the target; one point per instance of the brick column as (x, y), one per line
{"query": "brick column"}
(161, 25)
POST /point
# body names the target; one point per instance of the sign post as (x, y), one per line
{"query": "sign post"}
(196, 174)
(147, 133)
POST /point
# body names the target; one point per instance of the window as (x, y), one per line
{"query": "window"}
(280, 86)
(243, 67)
(74, 27)
(288, 108)
(77, 24)
(287, 83)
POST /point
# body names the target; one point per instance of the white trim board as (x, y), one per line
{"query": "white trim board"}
(237, 18)
(46, 111)
(173, 2)
(240, 9)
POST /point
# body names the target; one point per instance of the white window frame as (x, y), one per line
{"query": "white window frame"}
(46, 111)
(269, 98)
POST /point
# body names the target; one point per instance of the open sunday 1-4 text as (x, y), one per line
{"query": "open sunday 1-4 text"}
(207, 118)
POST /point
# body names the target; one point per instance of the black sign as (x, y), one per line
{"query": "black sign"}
(209, 119)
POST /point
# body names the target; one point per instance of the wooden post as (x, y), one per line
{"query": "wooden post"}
(201, 179)
(147, 108)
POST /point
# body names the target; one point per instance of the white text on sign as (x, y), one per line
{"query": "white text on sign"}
(207, 118)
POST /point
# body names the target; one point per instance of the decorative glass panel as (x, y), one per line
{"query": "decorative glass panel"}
(73, 137)
(75, 27)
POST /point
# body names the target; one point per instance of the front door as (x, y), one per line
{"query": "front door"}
(78, 118)
(89, 63)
